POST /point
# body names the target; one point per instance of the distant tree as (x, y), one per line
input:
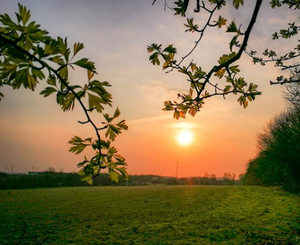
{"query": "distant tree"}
(29, 55)
(229, 178)
(202, 84)
(50, 170)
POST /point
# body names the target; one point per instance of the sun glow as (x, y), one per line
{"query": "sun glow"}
(185, 137)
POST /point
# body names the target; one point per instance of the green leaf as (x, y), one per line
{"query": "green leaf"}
(168, 106)
(117, 113)
(176, 114)
(233, 28)
(57, 59)
(243, 101)
(63, 47)
(77, 47)
(220, 73)
(107, 117)
(95, 102)
(6, 21)
(105, 144)
(79, 144)
(77, 148)
(24, 15)
(64, 73)
(98, 88)
(225, 57)
(88, 179)
(181, 7)
(227, 89)
(112, 132)
(154, 58)
(152, 47)
(237, 3)
(47, 91)
(170, 49)
(24, 77)
(51, 47)
(90, 74)
(37, 73)
(68, 102)
(234, 69)
(122, 125)
(85, 63)
(221, 22)
(112, 151)
(119, 158)
(51, 80)
(123, 172)
(190, 25)
(114, 176)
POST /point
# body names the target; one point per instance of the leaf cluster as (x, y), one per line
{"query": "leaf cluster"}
(201, 82)
(28, 55)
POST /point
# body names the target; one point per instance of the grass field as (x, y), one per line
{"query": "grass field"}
(150, 215)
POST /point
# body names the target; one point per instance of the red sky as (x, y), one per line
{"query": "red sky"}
(34, 132)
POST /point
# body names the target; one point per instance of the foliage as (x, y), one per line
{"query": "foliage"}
(278, 162)
(60, 179)
(150, 215)
(29, 55)
(202, 84)
(39, 180)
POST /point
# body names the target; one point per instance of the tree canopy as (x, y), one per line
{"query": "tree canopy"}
(224, 77)
(278, 159)
(28, 55)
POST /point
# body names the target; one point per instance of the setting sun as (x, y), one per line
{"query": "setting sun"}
(185, 137)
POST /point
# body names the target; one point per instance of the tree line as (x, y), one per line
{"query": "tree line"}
(58, 179)
(278, 160)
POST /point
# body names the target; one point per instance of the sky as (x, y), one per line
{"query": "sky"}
(34, 131)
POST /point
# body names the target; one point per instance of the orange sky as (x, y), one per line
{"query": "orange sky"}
(34, 132)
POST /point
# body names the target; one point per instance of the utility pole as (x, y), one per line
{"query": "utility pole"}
(177, 170)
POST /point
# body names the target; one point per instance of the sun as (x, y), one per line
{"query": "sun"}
(185, 137)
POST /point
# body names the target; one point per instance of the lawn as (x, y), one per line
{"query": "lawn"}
(150, 215)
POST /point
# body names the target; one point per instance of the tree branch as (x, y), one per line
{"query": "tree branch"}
(69, 88)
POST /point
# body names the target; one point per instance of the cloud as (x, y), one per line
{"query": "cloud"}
(115, 56)
(161, 27)
(148, 119)
(184, 125)
(276, 21)
(157, 89)
(291, 17)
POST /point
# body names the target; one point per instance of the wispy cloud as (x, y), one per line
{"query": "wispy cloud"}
(184, 125)
(156, 89)
(115, 56)
(147, 119)
(161, 27)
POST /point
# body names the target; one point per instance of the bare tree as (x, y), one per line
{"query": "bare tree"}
(291, 93)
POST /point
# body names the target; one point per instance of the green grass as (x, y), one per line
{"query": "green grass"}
(150, 215)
